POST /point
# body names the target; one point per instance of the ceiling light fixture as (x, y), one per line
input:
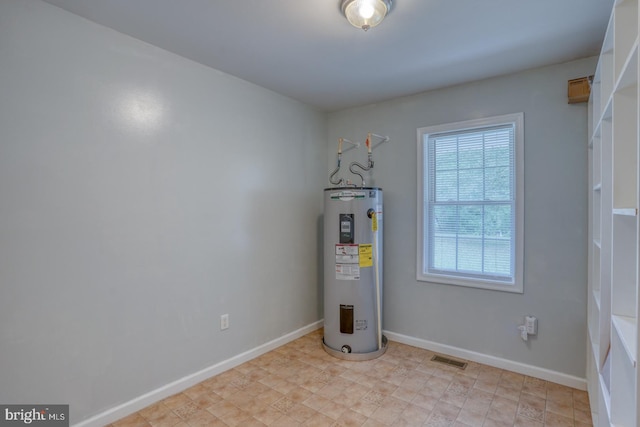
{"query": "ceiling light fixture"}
(365, 14)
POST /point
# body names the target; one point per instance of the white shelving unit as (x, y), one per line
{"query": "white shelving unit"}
(612, 351)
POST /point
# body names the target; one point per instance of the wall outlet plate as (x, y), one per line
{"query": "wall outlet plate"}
(532, 325)
(224, 322)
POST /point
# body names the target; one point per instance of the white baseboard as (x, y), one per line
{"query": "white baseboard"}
(497, 362)
(184, 383)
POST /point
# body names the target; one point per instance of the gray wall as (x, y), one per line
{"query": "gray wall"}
(141, 196)
(555, 268)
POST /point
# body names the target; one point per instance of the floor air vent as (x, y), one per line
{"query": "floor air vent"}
(450, 362)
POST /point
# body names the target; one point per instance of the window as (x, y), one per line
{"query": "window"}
(470, 203)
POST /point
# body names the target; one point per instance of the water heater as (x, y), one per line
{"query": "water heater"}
(353, 273)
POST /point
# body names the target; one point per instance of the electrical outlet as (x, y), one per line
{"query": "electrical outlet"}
(224, 322)
(532, 325)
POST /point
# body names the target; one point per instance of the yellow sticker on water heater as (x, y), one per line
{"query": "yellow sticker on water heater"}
(366, 255)
(374, 222)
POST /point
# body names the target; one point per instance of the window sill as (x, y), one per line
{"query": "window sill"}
(475, 283)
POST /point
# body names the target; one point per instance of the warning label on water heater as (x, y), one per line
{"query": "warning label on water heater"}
(366, 255)
(347, 272)
(347, 249)
(347, 262)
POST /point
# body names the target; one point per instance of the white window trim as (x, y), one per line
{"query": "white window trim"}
(517, 285)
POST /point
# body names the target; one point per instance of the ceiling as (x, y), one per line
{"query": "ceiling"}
(305, 49)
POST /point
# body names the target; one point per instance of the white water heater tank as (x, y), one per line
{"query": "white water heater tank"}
(353, 273)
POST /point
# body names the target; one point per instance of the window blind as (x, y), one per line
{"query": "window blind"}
(470, 193)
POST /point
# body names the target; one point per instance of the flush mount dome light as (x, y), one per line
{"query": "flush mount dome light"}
(365, 14)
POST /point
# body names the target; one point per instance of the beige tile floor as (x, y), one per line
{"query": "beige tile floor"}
(298, 384)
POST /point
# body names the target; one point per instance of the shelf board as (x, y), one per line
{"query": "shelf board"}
(627, 331)
(625, 211)
(629, 75)
(596, 132)
(607, 112)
